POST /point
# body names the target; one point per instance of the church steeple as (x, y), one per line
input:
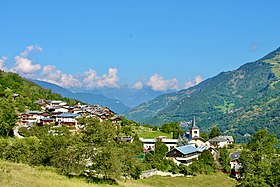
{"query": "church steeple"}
(194, 124)
(194, 131)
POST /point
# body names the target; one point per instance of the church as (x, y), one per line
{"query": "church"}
(188, 149)
(193, 137)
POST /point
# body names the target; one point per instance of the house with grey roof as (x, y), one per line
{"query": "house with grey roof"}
(221, 141)
(68, 119)
(149, 144)
(30, 117)
(185, 154)
(235, 164)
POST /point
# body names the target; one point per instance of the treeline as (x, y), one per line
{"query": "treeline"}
(96, 152)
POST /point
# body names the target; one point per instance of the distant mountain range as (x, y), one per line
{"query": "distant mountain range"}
(129, 96)
(114, 104)
(239, 102)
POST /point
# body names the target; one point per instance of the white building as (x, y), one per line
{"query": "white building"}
(149, 144)
(221, 141)
(31, 117)
(61, 109)
(184, 154)
(67, 119)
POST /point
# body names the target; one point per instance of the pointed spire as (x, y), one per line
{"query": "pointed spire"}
(194, 124)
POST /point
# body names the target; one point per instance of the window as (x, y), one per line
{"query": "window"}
(195, 132)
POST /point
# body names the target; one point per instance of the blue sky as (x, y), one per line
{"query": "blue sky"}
(163, 44)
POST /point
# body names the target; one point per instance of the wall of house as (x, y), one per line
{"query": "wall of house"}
(171, 146)
(187, 160)
(149, 146)
(63, 110)
(150, 143)
(60, 119)
(197, 142)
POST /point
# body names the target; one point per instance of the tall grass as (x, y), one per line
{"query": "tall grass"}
(215, 180)
(21, 175)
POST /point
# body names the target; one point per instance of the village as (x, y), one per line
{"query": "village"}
(183, 150)
(188, 147)
(60, 113)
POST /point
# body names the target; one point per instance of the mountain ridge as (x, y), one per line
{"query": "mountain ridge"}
(239, 101)
(114, 104)
(129, 96)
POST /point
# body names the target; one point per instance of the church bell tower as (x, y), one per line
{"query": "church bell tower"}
(194, 131)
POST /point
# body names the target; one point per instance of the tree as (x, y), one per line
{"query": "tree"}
(137, 145)
(260, 161)
(204, 135)
(204, 164)
(160, 148)
(172, 127)
(215, 131)
(8, 116)
(224, 159)
(101, 149)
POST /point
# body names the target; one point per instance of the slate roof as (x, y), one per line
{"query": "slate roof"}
(187, 149)
(68, 115)
(222, 139)
(47, 119)
(202, 148)
(34, 112)
(235, 155)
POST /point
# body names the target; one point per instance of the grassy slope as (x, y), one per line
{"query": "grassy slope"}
(215, 180)
(145, 132)
(17, 175)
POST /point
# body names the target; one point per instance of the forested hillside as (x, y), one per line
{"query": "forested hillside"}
(17, 95)
(239, 102)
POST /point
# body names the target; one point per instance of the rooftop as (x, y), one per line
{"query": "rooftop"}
(222, 139)
(235, 155)
(187, 149)
(68, 115)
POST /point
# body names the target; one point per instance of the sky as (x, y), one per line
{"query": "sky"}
(163, 44)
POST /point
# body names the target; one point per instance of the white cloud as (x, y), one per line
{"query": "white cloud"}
(138, 85)
(53, 75)
(51, 72)
(91, 80)
(68, 80)
(23, 65)
(188, 84)
(26, 67)
(111, 79)
(3, 60)
(198, 79)
(88, 80)
(31, 48)
(158, 83)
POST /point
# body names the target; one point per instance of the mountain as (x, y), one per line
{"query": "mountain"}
(114, 104)
(239, 102)
(127, 95)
